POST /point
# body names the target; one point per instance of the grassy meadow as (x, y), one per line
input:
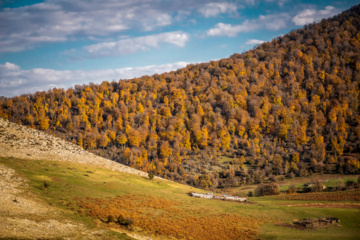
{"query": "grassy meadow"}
(162, 209)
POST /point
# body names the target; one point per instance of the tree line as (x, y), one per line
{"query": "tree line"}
(288, 107)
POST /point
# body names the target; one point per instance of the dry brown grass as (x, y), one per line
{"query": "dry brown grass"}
(323, 205)
(324, 196)
(167, 218)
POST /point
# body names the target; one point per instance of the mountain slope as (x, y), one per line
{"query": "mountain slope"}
(290, 107)
(66, 197)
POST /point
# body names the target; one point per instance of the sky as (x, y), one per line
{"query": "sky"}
(62, 43)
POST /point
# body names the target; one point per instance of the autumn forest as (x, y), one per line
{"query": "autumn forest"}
(289, 107)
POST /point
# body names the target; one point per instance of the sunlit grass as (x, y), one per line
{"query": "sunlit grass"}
(69, 183)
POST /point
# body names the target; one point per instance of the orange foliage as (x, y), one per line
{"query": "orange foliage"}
(164, 217)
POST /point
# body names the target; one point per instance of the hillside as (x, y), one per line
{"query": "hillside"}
(289, 107)
(64, 196)
(18, 141)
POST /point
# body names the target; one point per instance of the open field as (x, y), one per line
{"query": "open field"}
(162, 209)
(328, 180)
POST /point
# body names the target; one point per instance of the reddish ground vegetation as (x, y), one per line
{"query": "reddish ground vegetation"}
(332, 196)
(323, 205)
(165, 217)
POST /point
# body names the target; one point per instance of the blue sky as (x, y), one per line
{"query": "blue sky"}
(61, 43)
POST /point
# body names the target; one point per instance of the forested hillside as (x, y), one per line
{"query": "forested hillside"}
(288, 107)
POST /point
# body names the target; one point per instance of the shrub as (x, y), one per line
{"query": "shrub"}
(46, 184)
(250, 194)
(292, 189)
(267, 189)
(125, 221)
(111, 219)
(350, 184)
(151, 176)
(318, 186)
(272, 178)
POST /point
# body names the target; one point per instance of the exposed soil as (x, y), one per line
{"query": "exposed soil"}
(312, 223)
(293, 226)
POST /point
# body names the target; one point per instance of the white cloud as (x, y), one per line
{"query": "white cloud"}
(131, 45)
(250, 2)
(213, 9)
(311, 15)
(279, 2)
(229, 30)
(68, 20)
(16, 81)
(57, 21)
(270, 22)
(254, 41)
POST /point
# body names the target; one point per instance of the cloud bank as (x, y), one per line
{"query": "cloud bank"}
(15, 81)
(214, 9)
(254, 41)
(269, 22)
(311, 15)
(131, 45)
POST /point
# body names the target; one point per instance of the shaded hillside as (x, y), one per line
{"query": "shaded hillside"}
(289, 107)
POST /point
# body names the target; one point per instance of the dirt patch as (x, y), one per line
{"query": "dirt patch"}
(323, 205)
(312, 223)
(293, 226)
(56, 179)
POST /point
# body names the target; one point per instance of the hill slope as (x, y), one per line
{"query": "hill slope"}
(25, 143)
(63, 196)
(289, 107)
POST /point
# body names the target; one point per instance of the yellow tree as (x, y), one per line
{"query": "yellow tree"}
(225, 138)
(165, 151)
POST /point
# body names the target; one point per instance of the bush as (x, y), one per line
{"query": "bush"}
(111, 219)
(46, 184)
(250, 194)
(151, 176)
(267, 189)
(318, 186)
(125, 221)
(350, 184)
(292, 189)
(272, 178)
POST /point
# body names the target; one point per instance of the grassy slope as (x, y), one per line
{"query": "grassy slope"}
(69, 181)
(329, 180)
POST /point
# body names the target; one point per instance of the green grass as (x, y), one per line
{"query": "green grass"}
(68, 181)
(225, 159)
(329, 180)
